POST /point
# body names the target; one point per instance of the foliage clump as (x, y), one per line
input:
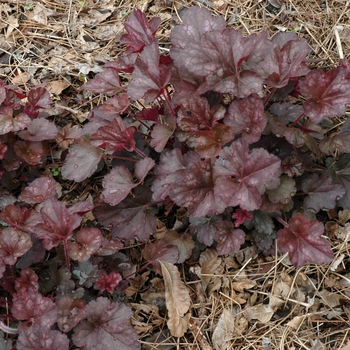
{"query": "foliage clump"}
(232, 130)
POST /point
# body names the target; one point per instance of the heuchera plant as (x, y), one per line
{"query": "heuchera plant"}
(231, 130)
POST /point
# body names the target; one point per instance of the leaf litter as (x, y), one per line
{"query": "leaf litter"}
(253, 301)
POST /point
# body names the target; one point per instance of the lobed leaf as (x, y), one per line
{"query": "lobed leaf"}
(106, 327)
(242, 176)
(70, 313)
(40, 129)
(140, 31)
(39, 190)
(106, 82)
(327, 94)
(302, 239)
(228, 239)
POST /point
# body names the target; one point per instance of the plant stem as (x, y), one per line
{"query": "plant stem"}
(269, 97)
(296, 120)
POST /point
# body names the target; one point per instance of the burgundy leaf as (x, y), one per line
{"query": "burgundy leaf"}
(205, 228)
(247, 117)
(106, 82)
(124, 63)
(140, 31)
(327, 94)
(35, 254)
(38, 98)
(57, 224)
(184, 244)
(21, 218)
(194, 187)
(208, 144)
(90, 240)
(342, 174)
(285, 59)
(130, 218)
(39, 190)
(40, 129)
(27, 282)
(114, 137)
(9, 123)
(228, 238)
(34, 308)
(151, 114)
(68, 134)
(117, 104)
(216, 54)
(13, 97)
(110, 247)
(170, 167)
(13, 244)
(3, 149)
(106, 327)
(38, 338)
(109, 282)
(149, 77)
(29, 151)
(81, 161)
(302, 239)
(242, 176)
(70, 313)
(161, 134)
(241, 216)
(323, 192)
(117, 185)
(160, 250)
(80, 208)
(143, 167)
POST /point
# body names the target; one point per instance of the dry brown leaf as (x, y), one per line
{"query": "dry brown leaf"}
(56, 86)
(296, 322)
(260, 312)
(209, 262)
(329, 299)
(241, 286)
(346, 347)
(12, 22)
(177, 298)
(224, 330)
(20, 79)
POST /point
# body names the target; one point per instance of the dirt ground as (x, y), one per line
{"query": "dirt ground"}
(250, 302)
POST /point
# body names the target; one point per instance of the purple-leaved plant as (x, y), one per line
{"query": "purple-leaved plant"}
(218, 136)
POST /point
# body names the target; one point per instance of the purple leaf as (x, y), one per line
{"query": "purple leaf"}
(90, 239)
(205, 48)
(34, 308)
(80, 208)
(117, 104)
(29, 151)
(58, 224)
(242, 176)
(81, 161)
(38, 98)
(161, 134)
(27, 282)
(38, 338)
(9, 123)
(70, 313)
(247, 117)
(140, 32)
(149, 77)
(110, 247)
(228, 238)
(327, 94)
(205, 228)
(130, 218)
(40, 129)
(13, 244)
(143, 167)
(114, 137)
(39, 190)
(342, 174)
(285, 59)
(106, 327)
(323, 192)
(108, 282)
(35, 254)
(302, 239)
(117, 185)
(106, 82)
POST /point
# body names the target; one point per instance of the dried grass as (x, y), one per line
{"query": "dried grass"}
(67, 40)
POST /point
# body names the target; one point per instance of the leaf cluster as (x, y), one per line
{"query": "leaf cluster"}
(231, 131)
